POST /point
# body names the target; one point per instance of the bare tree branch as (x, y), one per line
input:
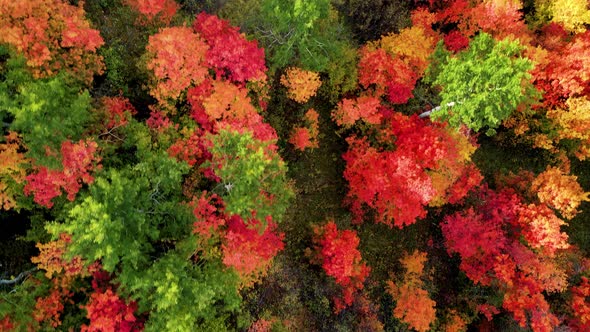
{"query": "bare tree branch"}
(18, 278)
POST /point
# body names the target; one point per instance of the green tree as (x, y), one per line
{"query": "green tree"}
(482, 85)
(45, 112)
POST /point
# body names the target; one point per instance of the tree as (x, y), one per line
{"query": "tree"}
(413, 304)
(512, 245)
(429, 165)
(484, 84)
(176, 59)
(306, 136)
(230, 53)
(53, 36)
(252, 177)
(154, 10)
(62, 107)
(301, 84)
(77, 161)
(337, 252)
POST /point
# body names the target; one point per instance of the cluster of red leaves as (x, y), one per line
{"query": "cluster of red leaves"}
(248, 247)
(160, 11)
(49, 308)
(489, 242)
(581, 306)
(429, 166)
(107, 312)
(337, 252)
(230, 53)
(78, 160)
(52, 35)
(306, 136)
(455, 41)
(193, 150)
(501, 19)
(6, 324)
(385, 73)
(11, 169)
(413, 303)
(118, 111)
(158, 121)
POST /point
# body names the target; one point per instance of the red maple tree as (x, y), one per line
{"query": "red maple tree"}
(337, 252)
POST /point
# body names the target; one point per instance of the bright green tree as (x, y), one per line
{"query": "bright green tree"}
(482, 85)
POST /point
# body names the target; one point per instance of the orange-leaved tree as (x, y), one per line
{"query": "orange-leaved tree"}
(53, 36)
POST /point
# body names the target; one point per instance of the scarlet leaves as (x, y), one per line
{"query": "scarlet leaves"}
(246, 246)
(489, 243)
(250, 247)
(230, 53)
(77, 161)
(429, 165)
(107, 312)
(337, 252)
(306, 136)
(155, 10)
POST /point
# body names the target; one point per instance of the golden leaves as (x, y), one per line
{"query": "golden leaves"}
(301, 84)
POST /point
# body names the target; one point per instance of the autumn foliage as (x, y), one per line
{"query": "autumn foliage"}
(78, 160)
(12, 171)
(413, 304)
(53, 36)
(306, 136)
(430, 166)
(337, 252)
(301, 84)
(154, 10)
(488, 240)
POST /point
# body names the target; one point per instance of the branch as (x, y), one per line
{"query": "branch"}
(18, 278)
(427, 113)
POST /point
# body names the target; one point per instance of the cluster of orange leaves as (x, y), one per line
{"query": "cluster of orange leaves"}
(177, 60)
(559, 191)
(53, 36)
(154, 10)
(301, 84)
(413, 304)
(11, 169)
(365, 108)
(61, 272)
(306, 136)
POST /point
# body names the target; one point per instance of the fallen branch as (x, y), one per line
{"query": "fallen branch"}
(18, 278)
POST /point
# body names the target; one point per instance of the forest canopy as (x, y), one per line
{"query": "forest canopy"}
(274, 165)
